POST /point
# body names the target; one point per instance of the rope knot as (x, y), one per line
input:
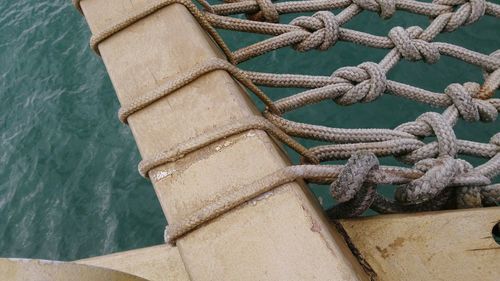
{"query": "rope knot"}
(351, 189)
(323, 28)
(267, 13)
(469, 107)
(385, 8)
(439, 173)
(411, 48)
(469, 11)
(368, 79)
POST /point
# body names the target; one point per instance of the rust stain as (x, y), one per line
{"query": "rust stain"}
(383, 252)
(386, 252)
(485, 93)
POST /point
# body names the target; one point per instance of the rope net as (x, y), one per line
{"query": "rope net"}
(437, 179)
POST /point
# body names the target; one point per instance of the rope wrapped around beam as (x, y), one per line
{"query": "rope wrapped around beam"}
(438, 179)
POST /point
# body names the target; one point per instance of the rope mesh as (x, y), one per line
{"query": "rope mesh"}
(438, 178)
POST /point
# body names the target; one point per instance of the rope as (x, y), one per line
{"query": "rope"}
(184, 79)
(231, 129)
(438, 178)
(363, 165)
(152, 8)
(240, 194)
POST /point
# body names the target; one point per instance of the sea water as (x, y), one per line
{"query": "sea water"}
(69, 187)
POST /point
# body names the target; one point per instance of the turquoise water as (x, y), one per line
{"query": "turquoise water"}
(69, 187)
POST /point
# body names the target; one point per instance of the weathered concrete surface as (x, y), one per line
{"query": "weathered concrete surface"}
(283, 236)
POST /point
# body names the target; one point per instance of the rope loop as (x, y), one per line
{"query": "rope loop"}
(469, 12)
(447, 141)
(323, 28)
(471, 109)
(439, 172)
(385, 8)
(411, 48)
(353, 176)
(351, 189)
(368, 80)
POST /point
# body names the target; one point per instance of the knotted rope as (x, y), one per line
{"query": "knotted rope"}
(324, 29)
(438, 178)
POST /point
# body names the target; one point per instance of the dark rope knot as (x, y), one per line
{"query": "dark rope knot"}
(323, 28)
(411, 48)
(368, 80)
(469, 107)
(351, 189)
(385, 8)
(469, 11)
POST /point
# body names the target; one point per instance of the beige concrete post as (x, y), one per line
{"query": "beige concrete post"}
(282, 235)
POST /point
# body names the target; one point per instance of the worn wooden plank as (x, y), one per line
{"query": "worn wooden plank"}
(452, 245)
(284, 235)
(158, 263)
